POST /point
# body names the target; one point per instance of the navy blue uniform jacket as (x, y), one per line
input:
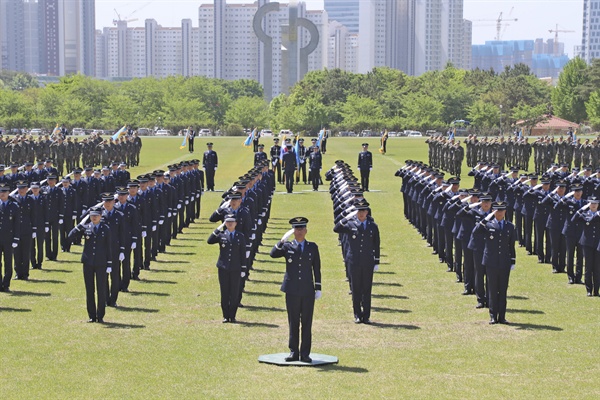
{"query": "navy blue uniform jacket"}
(299, 268)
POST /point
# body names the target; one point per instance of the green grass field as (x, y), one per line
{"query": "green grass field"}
(167, 341)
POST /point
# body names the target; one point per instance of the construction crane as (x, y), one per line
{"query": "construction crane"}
(127, 18)
(499, 21)
(555, 31)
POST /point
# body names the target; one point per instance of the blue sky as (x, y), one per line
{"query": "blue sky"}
(535, 17)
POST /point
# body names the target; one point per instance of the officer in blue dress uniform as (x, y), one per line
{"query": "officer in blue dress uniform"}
(132, 229)
(231, 264)
(260, 155)
(23, 252)
(289, 167)
(68, 208)
(362, 257)
(589, 241)
(315, 161)
(10, 234)
(275, 152)
(572, 231)
(365, 165)
(302, 263)
(97, 262)
(40, 225)
(499, 259)
(114, 220)
(210, 162)
(55, 217)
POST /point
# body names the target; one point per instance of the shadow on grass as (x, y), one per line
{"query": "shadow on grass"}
(510, 310)
(10, 309)
(256, 324)
(188, 239)
(69, 261)
(137, 309)
(341, 368)
(271, 261)
(385, 272)
(395, 326)
(184, 254)
(45, 281)
(157, 281)
(266, 271)
(118, 325)
(535, 327)
(390, 310)
(263, 294)
(180, 245)
(66, 271)
(389, 296)
(172, 271)
(18, 293)
(259, 281)
(387, 284)
(517, 297)
(261, 308)
(149, 294)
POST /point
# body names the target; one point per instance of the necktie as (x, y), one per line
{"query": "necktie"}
(95, 229)
(231, 235)
(501, 225)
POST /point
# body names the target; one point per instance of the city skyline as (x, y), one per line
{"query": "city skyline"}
(535, 17)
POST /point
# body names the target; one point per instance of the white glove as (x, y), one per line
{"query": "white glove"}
(259, 221)
(144, 234)
(350, 216)
(121, 256)
(215, 168)
(253, 237)
(162, 221)
(153, 228)
(108, 270)
(301, 161)
(287, 235)
(243, 275)
(274, 162)
(169, 215)
(512, 267)
(133, 245)
(318, 295)
(198, 196)
(376, 268)
(60, 221)
(187, 202)
(247, 254)
(33, 235)
(370, 169)
(221, 227)
(179, 206)
(15, 245)
(46, 229)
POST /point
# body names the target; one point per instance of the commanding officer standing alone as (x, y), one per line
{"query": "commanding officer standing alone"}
(231, 265)
(210, 162)
(362, 257)
(365, 165)
(302, 261)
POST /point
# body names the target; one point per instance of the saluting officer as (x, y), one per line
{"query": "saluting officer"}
(55, 217)
(289, 167)
(315, 161)
(114, 220)
(40, 225)
(231, 265)
(260, 155)
(97, 262)
(499, 259)
(132, 230)
(362, 257)
(210, 163)
(275, 161)
(25, 216)
(365, 165)
(10, 234)
(590, 238)
(302, 261)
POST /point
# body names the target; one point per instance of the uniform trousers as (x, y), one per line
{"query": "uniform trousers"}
(52, 240)
(65, 228)
(364, 178)
(301, 171)
(574, 271)
(95, 275)
(6, 252)
(458, 259)
(229, 282)
(480, 271)
(22, 254)
(289, 181)
(126, 268)
(543, 241)
(209, 172)
(300, 311)
(362, 284)
(37, 249)
(559, 250)
(528, 232)
(592, 269)
(468, 269)
(114, 286)
(497, 281)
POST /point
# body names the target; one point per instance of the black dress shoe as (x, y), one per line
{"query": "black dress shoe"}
(292, 357)
(480, 305)
(466, 293)
(91, 320)
(367, 321)
(357, 320)
(232, 320)
(493, 321)
(135, 278)
(503, 321)
(571, 281)
(225, 320)
(306, 359)
(458, 280)
(100, 320)
(240, 305)
(589, 294)
(125, 290)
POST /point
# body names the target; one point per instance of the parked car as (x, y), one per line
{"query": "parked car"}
(144, 131)
(286, 132)
(204, 132)
(163, 132)
(36, 131)
(266, 132)
(78, 131)
(392, 134)
(413, 134)
(366, 133)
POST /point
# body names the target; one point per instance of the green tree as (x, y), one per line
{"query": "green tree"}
(567, 100)
(360, 113)
(484, 115)
(592, 107)
(423, 112)
(248, 112)
(529, 116)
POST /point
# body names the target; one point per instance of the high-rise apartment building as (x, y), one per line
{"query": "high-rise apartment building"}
(590, 39)
(345, 12)
(54, 37)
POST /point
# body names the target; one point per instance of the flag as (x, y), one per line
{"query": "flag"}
(185, 141)
(120, 132)
(282, 151)
(383, 137)
(249, 139)
(452, 134)
(56, 131)
(520, 133)
(321, 133)
(575, 137)
(297, 150)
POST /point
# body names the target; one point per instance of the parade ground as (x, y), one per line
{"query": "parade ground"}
(427, 341)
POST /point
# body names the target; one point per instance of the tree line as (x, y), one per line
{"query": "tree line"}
(384, 98)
